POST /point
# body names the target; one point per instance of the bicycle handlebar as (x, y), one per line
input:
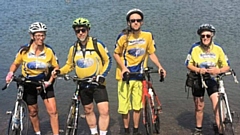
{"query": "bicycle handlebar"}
(145, 73)
(91, 80)
(230, 72)
(23, 80)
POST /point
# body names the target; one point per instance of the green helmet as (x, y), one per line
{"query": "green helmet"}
(81, 22)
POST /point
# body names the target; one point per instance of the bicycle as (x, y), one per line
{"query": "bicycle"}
(151, 104)
(225, 113)
(73, 112)
(19, 120)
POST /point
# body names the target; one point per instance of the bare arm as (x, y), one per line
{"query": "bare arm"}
(120, 63)
(14, 67)
(156, 61)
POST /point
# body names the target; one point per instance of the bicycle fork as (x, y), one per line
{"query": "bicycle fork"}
(227, 108)
(15, 118)
(76, 100)
(225, 99)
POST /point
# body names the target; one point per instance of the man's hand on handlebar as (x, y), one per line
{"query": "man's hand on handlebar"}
(55, 73)
(100, 79)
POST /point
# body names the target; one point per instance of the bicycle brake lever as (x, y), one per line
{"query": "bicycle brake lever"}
(5, 87)
(234, 76)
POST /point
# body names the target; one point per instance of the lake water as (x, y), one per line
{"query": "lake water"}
(173, 24)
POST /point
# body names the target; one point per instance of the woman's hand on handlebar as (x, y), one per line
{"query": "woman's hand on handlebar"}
(213, 70)
(9, 77)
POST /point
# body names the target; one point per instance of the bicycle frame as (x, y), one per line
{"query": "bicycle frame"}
(151, 110)
(146, 86)
(17, 125)
(225, 115)
(73, 114)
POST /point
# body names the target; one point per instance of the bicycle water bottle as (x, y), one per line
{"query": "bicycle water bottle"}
(15, 120)
(150, 91)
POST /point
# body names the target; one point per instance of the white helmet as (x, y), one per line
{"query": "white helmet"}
(37, 27)
(132, 11)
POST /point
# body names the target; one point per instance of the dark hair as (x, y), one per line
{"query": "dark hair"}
(25, 49)
(126, 32)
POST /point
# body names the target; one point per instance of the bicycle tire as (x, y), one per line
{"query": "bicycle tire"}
(224, 116)
(157, 121)
(72, 120)
(22, 127)
(148, 116)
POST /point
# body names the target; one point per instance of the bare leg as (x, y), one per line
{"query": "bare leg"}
(126, 119)
(33, 114)
(214, 99)
(199, 106)
(104, 117)
(136, 118)
(90, 116)
(51, 107)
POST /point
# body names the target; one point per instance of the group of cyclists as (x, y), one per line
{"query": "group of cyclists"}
(133, 48)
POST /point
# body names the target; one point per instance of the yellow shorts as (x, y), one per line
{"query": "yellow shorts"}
(129, 96)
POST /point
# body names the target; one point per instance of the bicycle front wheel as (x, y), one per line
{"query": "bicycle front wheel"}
(20, 125)
(224, 115)
(157, 121)
(148, 116)
(72, 120)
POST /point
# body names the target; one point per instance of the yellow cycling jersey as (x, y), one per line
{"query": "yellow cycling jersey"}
(215, 58)
(36, 67)
(87, 63)
(134, 51)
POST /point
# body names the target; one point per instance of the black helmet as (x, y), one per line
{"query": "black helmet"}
(206, 27)
(132, 11)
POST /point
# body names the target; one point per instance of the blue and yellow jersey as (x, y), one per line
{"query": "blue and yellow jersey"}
(215, 58)
(134, 51)
(36, 67)
(89, 65)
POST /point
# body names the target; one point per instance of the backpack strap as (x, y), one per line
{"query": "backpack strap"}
(94, 40)
(74, 52)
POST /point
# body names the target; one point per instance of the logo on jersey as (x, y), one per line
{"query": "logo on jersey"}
(208, 55)
(136, 41)
(207, 64)
(136, 52)
(32, 55)
(36, 65)
(85, 63)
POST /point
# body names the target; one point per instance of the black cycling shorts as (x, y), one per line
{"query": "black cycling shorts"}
(99, 94)
(30, 95)
(212, 88)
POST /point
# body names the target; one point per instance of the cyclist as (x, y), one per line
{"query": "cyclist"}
(132, 47)
(87, 63)
(206, 58)
(37, 60)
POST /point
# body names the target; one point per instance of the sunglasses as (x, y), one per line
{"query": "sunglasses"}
(40, 36)
(203, 36)
(82, 30)
(135, 20)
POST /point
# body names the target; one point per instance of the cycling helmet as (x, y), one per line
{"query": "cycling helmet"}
(37, 27)
(206, 27)
(81, 22)
(132, 11)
